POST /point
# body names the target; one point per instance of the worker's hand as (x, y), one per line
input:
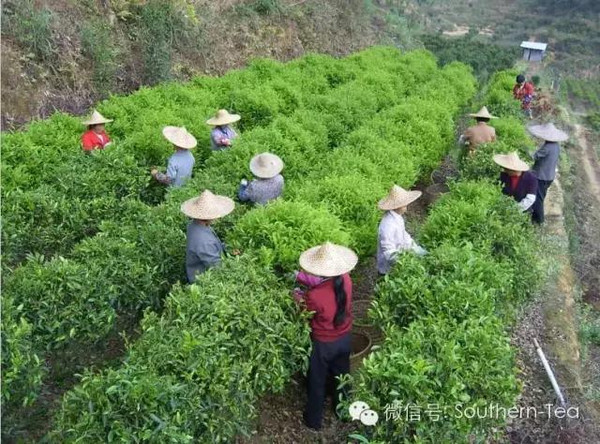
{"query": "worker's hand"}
(244, 182)
(154, 171)
(236, 252)
(298, 294)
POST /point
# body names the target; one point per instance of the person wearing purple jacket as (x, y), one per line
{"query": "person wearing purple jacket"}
(517, 181)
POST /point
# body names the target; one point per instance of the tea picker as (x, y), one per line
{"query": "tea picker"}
(480, 133)
(517, 181)
(203, 247)
(392, 237)
(181, 163)
(268, 183)
(95, 138)
(222, 135)
(329, 296)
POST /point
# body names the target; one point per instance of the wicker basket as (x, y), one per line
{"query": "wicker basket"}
(361, 345)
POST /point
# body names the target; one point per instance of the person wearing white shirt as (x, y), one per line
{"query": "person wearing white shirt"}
(393, 238)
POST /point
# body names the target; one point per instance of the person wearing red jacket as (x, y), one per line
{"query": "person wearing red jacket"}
(524, 91)
(329, 296)
(95, 138)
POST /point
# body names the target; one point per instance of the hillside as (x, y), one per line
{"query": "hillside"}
(66, 55)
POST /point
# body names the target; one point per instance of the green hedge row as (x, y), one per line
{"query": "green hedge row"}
(510, 130)
(445, 314)
(235, 334)
(138, 254)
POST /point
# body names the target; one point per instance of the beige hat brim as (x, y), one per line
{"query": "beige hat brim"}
(510, 163)
(483, 116)
(225, 120)
(97, 122)
(213, 208)
(96, 119)
(179, 137)
(266, 171)
(339, 260)
(548, 132)
(388, 204)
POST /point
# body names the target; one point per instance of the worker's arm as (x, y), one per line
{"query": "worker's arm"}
(541, 152)
(527, 202)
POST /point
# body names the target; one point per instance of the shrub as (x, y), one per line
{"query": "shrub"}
(62, 301)
(458, 282)
(282, 230)
(97, 44)
(22, 369)
(441, 366)
(353, 199)
(220, 344)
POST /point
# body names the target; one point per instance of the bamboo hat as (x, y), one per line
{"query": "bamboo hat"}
(398, 198)
(483, 113)
(96, 119)
(222, 117)
(266, 165)
(548, 132)
(179, 137)
(328, 260)
(511, 162)
(207, 206)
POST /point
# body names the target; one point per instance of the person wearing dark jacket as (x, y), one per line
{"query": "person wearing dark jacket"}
(546, 162)
(517, 181)
(203, 247)
(329, 296)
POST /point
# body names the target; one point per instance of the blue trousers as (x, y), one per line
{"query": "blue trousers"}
(328, 359)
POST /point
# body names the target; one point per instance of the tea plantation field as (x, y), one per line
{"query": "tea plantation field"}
(87, 238)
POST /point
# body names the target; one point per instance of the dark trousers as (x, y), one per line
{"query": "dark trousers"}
(328, 359)
(538, 206)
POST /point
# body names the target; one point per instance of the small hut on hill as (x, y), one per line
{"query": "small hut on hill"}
(533, 51)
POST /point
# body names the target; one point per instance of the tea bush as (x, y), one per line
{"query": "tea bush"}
(219, 345)
(336, 124)
(22, 369)
(442, 366)
(282, 230)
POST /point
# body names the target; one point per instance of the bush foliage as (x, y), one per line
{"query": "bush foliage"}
(330, 120)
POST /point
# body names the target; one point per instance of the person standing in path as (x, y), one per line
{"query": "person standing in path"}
(392, 237)
(222, 135)
(180, 164)
(524, 91)
(480, 133)
(517, 181)
(268, 185)
(204, 248)
(95, 138)
(329, 296)
(546, 162)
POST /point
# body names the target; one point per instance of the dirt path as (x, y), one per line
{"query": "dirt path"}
(589, 161)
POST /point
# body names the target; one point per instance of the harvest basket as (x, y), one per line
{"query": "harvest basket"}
(361, 345)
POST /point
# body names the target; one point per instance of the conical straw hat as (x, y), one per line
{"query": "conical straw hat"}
(398, 198)
(511, 161)
(179, 137)
(266, 165)
(222, 117)
(484, 113)
(96, 119)
(328, 260)
(548, 132)
(207, 206)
